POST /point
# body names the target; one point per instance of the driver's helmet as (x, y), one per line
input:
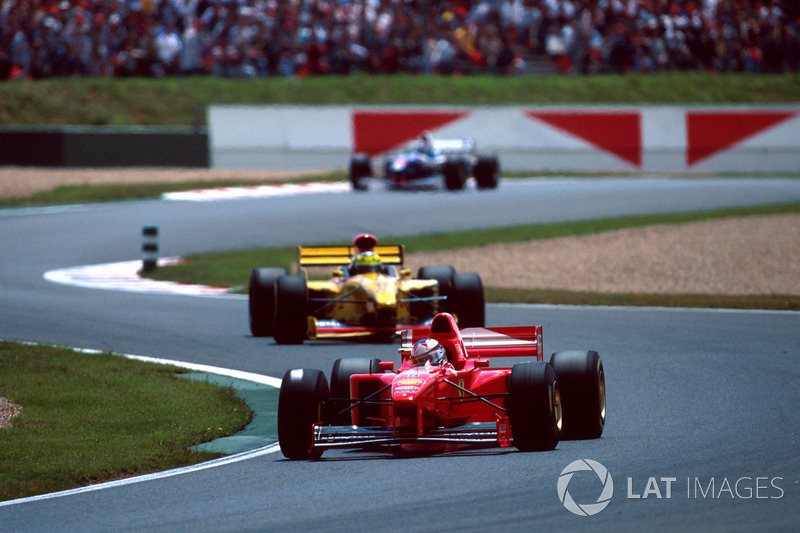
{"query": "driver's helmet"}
(425, 143)
(428, 351)
(366, 262)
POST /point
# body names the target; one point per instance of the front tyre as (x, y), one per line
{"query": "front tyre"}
(583, 392)
(340, 389)
(261, 300)
(291, 310)
(443, 274)
(455, 175)
(534, 406)
(487, 173)
(300, 406)
(468, 302)
(360, 168)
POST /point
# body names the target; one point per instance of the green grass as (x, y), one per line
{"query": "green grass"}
(232, 269)
(88, 418)
(85, 193)
(182, 102)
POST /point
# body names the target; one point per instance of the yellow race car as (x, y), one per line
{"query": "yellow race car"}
(369, 293)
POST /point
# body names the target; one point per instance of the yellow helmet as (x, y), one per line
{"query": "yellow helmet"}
(366, 262)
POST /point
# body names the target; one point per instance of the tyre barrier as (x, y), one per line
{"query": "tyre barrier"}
(90, 146)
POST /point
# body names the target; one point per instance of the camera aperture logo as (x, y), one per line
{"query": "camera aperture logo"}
(585, 509)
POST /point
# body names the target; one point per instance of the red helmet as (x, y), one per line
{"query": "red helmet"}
(365, 242)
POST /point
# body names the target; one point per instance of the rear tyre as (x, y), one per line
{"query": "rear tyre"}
(583, 393)
(262, 300)
(360, 167)
(468, 301)
(291, 310)
(443, 274)
(487, 173)
(340, 389)
(300, 406)
(534, 406)
(455, 175)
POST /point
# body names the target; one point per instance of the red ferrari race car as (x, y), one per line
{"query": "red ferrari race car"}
(445, 396)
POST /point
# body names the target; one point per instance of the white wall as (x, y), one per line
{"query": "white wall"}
(527, 138)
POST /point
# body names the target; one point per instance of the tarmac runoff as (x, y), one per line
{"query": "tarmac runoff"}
(261, 431)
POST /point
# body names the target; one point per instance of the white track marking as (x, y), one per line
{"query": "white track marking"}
(124, 276)
(222, 461)
(262, 191)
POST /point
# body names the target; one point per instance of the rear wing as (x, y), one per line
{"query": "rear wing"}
(506, 341)
(391, 254)
(454, 146)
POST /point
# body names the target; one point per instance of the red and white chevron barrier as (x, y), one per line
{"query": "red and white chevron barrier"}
(630, 138)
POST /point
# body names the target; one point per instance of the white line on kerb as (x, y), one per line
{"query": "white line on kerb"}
(124, 276)
(222, 461)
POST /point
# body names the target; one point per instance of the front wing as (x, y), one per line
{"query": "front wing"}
(473, 434)
(330, 329)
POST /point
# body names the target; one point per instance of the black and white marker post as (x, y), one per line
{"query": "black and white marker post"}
(149, 248)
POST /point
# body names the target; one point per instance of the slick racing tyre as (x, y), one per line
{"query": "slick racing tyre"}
(534, 406)
(300, 405)
(340, 390)
(583, 393)
(487, 172)
(262, 300)
(468, 303)
(291, 310)
(443, 274)
(360, 167)
(455, 175)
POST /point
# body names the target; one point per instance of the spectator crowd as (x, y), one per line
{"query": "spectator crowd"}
(253, 38)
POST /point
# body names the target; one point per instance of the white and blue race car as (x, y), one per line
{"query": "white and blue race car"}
(429, 164)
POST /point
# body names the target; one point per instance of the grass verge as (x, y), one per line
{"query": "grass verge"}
(89, 418)
(232, 269)
(86, 193)
(183, 101)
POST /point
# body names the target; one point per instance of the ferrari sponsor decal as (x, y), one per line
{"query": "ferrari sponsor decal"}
(410, 381)
(612, 131)
(711, 132)
(459, 350)
(405, 387)
(375, 132)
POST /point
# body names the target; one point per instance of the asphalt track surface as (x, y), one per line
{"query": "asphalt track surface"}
(701, 402)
